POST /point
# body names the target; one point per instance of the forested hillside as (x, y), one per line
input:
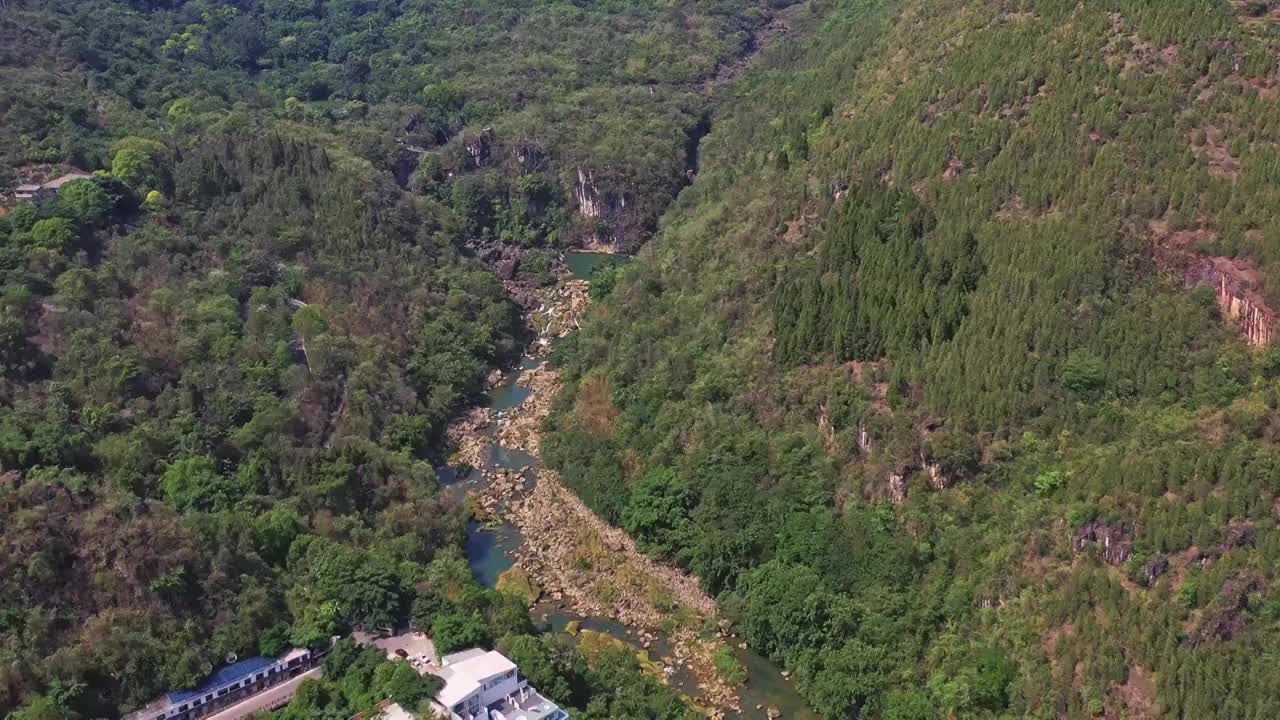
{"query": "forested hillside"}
(579, 118)
(227, 357)
(951, 373)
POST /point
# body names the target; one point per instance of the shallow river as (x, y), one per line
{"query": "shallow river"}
(582, 263)
(491, 550)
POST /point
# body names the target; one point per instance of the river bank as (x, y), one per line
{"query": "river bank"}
(591, 568)
(573, 564)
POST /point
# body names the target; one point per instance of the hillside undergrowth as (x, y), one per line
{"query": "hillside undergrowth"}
(906, 381)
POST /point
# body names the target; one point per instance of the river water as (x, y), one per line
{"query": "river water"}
(582, 264)
(491, 552)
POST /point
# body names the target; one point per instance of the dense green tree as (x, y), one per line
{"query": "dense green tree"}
(44, 708)
(658, 511)
(85, 201)
(54, 234)
(194, 483)
(136, 161)
(454, 631)
(551, 664)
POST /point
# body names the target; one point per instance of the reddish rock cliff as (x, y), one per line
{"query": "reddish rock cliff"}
(1236, 285)
(1238, 298)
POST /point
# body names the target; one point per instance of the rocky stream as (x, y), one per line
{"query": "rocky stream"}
(533, 535)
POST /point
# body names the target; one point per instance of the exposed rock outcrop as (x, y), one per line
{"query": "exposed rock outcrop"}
(530, 157)
(1236, 284)
(938, 479)
(507, 268)
(588, 195)
(1154, 569)
(604, 206)
(898, 484)
(1237, 297)
(1231, 614)
(1234, 536)
(864, 439)
(1116, 541)
(1238, 536)
(480, 147)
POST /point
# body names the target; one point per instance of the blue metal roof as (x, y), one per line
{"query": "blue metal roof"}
(225, 676)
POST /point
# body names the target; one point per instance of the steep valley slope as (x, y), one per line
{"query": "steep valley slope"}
(255, 257)
(952, 374)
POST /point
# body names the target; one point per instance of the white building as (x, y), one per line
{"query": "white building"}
(482, 685)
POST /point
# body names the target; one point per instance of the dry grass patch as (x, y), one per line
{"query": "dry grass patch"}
(1210, 145)
(594, 412)
(1135, 699)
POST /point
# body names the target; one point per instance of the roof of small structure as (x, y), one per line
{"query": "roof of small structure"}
(225, 676)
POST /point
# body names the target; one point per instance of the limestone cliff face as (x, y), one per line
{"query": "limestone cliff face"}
(938, 479)
(588, 194)
(1236, 284)
(1116, 541)
(1237, 297)
(605, 207)
(480, 147)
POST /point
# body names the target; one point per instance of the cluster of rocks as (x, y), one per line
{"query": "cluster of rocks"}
(697, 654)
(1231, 615)
(500, 487)
(467, 436)
(559, 529)
(1234, 536)
(560, 310)
(578, 561)
(935, 474)
(614, 581)
(520, 428)
(480, 146)
(1116, 541)
(1154, 569)
(505, 259)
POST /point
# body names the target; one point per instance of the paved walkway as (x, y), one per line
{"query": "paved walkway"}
(273, 698)
(414, 644)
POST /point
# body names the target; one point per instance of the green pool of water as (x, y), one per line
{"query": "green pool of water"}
(766, 686)
(582, 264)
(509, 394)
(491, 551)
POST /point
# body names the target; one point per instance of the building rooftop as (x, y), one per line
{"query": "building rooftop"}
(463, 655)
(393, 711)
(464, 675)
(57, 184)
(528, 705)
(225, 676)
